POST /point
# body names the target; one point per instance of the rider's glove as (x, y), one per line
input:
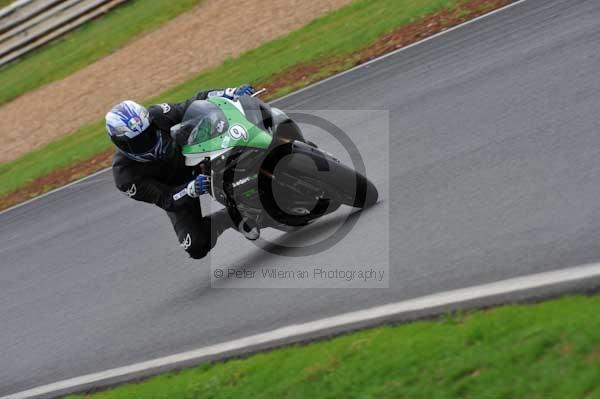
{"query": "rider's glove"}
(236, 92)
(200, 185)
(244, 90)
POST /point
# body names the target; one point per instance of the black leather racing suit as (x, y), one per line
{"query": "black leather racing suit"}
(161, 182)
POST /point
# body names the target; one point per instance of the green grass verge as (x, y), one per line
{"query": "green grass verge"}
(336, 34)
(83, 144)
(4, 3)
(87, 44)
(548, 350)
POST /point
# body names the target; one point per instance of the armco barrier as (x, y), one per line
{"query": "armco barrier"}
(28, 24)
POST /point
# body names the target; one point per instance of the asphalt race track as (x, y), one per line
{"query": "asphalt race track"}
(490, 170)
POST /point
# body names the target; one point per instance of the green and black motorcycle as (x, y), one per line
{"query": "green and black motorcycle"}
(261, 167)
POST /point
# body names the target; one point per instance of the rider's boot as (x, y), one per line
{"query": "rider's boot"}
(249, 229)
(221, 221)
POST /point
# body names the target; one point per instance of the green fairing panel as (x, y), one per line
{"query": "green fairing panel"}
(241, 132)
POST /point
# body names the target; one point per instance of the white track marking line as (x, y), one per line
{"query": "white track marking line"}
(291, 332)
(306, 88)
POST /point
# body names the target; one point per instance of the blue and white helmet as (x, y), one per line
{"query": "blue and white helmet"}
(128, 125)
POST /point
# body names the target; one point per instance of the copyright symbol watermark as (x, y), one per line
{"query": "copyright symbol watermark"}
(327, 130)
(347, 258)
(218, 273)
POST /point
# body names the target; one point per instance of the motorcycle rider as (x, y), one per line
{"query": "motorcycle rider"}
(148, 166)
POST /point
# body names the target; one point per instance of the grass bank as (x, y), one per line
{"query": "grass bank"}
(330, 44)
(4, 3)
(86, 44)
(547, 350)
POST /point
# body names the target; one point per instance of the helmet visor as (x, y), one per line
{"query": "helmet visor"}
(143, 142)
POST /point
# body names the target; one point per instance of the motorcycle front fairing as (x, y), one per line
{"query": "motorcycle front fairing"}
(220, 126)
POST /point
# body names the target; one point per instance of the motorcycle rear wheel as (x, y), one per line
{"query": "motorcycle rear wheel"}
(337, 184)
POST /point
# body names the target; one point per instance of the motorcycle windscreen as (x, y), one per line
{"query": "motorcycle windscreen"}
(203, 121)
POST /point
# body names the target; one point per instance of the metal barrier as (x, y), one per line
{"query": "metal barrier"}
(28, 24)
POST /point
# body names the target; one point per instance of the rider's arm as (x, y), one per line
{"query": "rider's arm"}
(169, 114)
(166, 115)
(154, 192)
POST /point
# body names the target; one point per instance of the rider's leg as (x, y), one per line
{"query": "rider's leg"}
(197, 234)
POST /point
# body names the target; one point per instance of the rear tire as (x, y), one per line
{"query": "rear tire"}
(302, 163)
(344, 183)
(363, 196)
